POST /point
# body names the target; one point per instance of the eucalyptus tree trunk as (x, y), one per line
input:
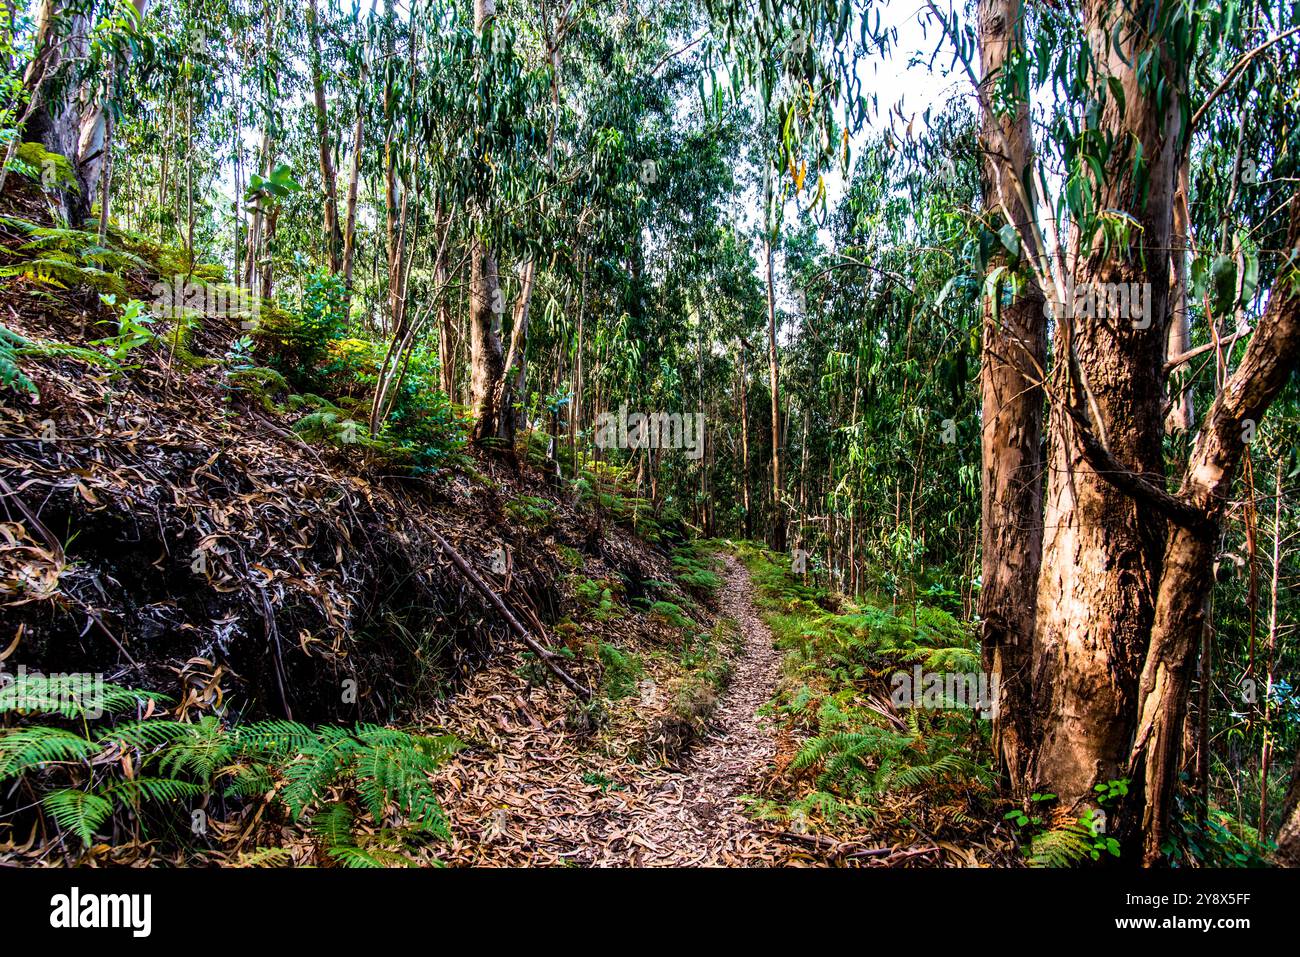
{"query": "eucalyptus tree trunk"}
(774, 377)
(333, 237)
(1270, 672)
(446, 326)
(576, 408)
(1102, 547)
(255, 227)
(1181, 414)
(272, 218)
(53, 115)
(1014, 357)
(93, 139)
(487, 361)
(354, 177)
(744, 442)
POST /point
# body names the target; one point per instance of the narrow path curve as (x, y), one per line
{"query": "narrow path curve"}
(696, 817)
(536, 801)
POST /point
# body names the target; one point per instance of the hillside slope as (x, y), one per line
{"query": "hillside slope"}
(165, 527)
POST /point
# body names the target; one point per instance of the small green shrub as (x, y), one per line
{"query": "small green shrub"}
(570, 556)
(597, 596)
(532, 510)
(296, 338)
(621, 671)
(673, 615)
(694, 568)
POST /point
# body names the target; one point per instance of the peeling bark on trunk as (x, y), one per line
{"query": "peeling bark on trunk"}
(1102, 549)
(1181, 414)
(1014, 355)
(486, 360)
(54, 119)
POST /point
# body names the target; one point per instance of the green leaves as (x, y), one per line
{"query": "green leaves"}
(80, 812)
(329, 772)
(1228, 281)
(1010, 239)
(11, 375)
(31, 748)
(263, 193)
(133, 330)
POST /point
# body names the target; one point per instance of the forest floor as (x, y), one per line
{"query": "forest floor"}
(542, 802)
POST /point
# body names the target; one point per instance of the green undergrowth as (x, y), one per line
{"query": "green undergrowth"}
(708, 655)
(295, 356)
(663, 692)
(695, 567)
(620, 671)
(864, 752)
(702, 669)
(97, 772)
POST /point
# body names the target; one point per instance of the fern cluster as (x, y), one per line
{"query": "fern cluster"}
(53, 170)
(859, 751)
(64, 258)
(11, 374)
(694, 568)
(365, 791)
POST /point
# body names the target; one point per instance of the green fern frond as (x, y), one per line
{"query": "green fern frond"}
(201, 753)
(18, 224)
(275, 737)
(69, 695)
(80, 812)
(133, 790)
(58, 272)
(265, 857)
(11, 375)
(249, 780)
(22, 749)
(1062, 846)
(64, 350)
(333, 825)
(148, 734)
(352, 856)
(60, 238)
(311, 773)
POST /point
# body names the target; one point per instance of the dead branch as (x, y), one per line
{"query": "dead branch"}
(546, 656)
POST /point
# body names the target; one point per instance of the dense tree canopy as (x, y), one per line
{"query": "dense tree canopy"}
(1024, 355)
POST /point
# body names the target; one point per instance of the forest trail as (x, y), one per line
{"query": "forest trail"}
(696, 819)
(540, 805)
